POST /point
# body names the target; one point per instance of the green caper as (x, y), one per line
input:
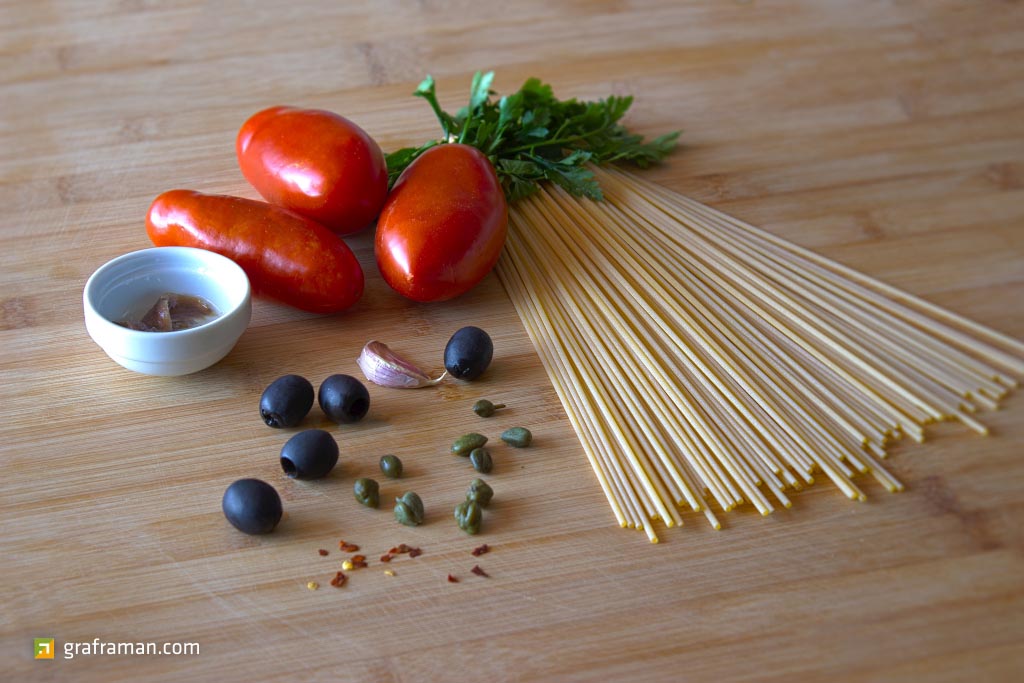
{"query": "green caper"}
(481, 460)
(485, 408)
(367, 492)
(391, 466)
(480, 493)
(467, 442)
(517, 437)
(468, 516)
(409, 509)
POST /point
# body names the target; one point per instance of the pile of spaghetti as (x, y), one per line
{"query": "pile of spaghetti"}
(705, 363)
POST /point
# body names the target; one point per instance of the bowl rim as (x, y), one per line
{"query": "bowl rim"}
(219, 261)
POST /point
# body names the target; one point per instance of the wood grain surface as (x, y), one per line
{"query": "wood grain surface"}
(886, 134)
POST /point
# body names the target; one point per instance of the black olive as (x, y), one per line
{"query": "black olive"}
(343, 398)
(286, 401)
(468, 353)
(310, 454)
(252, 506)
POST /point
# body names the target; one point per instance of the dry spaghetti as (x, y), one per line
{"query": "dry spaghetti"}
(703, 361)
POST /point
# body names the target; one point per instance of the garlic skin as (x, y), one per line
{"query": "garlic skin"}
(382, 366)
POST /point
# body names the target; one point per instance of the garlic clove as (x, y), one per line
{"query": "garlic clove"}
(383, 366)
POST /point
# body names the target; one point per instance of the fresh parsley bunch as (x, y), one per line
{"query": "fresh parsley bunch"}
(531, 136)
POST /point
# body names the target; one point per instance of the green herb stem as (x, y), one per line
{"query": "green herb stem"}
(555, 142)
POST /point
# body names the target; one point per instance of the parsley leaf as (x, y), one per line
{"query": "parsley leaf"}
(531, 136)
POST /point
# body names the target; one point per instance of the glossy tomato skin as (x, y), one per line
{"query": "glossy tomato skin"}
(286, 256)
(315, 163)
(443, 225)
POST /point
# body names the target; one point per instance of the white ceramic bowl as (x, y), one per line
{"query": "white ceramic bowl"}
(128, 285)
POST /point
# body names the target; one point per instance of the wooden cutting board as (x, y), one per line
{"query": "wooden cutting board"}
(887, 135)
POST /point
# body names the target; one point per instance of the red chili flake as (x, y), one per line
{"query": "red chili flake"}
(479, 572)
(323, 553)
(415, 552)
(402, 548)
(477, 552)
(339, 580)
(452, 579)
(386, 557)
(347, 547)
(359, 561)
